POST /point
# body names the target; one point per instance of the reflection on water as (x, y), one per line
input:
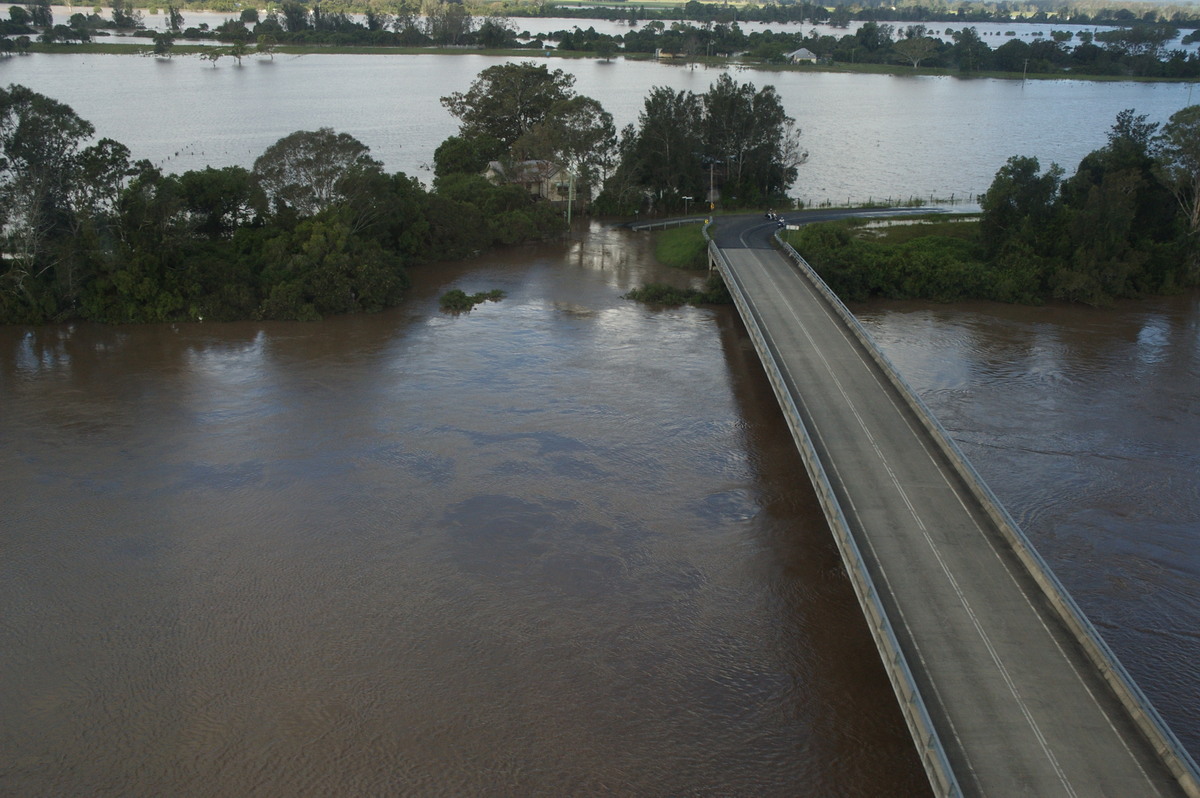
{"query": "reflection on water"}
(1084, 422)
(561, 544)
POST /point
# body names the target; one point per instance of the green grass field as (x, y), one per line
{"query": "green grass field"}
(682, 247)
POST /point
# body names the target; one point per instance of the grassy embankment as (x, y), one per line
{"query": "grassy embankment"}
(683, 248)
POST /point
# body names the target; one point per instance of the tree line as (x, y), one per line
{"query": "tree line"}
(1125, 224)
(1138, 47)
(315, 227)
(1087, 12)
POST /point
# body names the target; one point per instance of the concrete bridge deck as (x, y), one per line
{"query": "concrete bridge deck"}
(1006, 688)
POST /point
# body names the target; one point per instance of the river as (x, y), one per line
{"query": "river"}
(869, 137)
(559, 545)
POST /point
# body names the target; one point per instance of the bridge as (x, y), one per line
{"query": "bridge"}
(1005, 685)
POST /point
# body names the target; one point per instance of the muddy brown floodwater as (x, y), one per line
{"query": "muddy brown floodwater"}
(562, 544)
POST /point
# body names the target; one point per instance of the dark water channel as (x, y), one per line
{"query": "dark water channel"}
(559, 545)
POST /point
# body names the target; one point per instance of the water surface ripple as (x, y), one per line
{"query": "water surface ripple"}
(559, 545)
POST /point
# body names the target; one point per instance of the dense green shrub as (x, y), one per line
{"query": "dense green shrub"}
(714, 293)
(456, 300)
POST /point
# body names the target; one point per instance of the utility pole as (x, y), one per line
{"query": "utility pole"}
(570, 198)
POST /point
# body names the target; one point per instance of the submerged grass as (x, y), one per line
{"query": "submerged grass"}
(963, 227)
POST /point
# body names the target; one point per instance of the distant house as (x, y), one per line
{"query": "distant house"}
(544, 179)
(801, 56)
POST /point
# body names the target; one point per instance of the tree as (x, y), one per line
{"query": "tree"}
(1019, 205)
(163, 44)
(577, 134)
(606, 48)
(266, 45)
(873, 36)
(125, 15)
(447, 22)
(970, 51)
(461, 155)
(750, 132)
(100, 174)
(505, 101)
(295, 16)
(915, 49)
(40, 15)
(322, 268)
(1177, 150)
(39, 141)
(310, 171)
(665, 153)
(238, 50)
(495, 32)
(1138, 40)
(221, 200)
(174, 18)
(1105, 257)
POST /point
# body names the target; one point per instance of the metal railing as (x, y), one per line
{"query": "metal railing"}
(665, 223)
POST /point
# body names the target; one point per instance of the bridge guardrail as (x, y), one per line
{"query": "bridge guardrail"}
(665, 223)
(916, 715)
(1143, 713)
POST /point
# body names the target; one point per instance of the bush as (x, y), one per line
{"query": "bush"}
(714, 293)
(458, 301)
(943, 268)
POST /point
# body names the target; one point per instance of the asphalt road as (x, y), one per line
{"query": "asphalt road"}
(1019, 708)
